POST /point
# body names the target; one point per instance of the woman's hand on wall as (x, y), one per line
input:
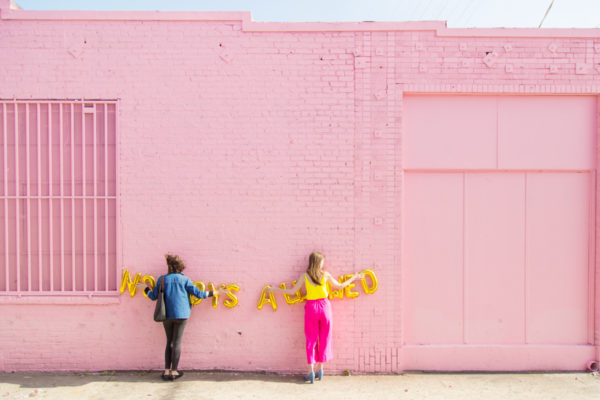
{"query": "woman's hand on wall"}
(339, 285)
(290, 291)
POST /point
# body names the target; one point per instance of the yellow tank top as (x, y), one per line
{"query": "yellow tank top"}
(315, 292)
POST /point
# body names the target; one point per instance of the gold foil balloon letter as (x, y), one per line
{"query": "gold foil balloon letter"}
(289, 299)
(201, 286)
(150, 281)
(127, 282)
(339, 293)
(266, 296)
(233, 300)
(348, 289)
(369, 289)
(215, 298)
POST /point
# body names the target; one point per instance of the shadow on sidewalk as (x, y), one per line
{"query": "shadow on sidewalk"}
(40, 380)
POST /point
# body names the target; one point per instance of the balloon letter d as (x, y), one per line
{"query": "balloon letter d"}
(374, 283)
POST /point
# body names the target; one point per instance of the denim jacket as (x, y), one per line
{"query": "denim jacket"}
(177, 289)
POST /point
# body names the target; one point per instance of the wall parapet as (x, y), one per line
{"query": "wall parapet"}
(249, 25)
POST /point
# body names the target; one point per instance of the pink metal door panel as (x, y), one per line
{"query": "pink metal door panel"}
(546, 132)
(558, 217)
(450, 132)
(434, 240)
(494, 258)
(509, 254)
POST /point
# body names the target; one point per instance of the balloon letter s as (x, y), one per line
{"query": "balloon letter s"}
(233, 300)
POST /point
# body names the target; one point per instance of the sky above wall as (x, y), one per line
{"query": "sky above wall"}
(457, 13)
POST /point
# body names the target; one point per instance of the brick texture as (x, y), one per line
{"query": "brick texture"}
(243, 150)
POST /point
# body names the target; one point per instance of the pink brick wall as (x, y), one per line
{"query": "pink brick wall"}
(243, 147)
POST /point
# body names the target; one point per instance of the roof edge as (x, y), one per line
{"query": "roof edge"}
(245, 17)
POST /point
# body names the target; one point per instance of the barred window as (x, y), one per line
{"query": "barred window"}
(58, 194)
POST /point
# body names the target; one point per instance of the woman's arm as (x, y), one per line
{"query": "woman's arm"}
(289, 291)
(152, 293)
(335, 284)
(192, 289)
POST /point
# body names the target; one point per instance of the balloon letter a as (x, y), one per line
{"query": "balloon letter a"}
(267, 297)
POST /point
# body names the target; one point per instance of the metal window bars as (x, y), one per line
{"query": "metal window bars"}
(59, 197)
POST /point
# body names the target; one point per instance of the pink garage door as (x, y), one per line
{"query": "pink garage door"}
(498, 241)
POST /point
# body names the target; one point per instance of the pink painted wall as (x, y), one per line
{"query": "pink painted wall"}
(244, 146)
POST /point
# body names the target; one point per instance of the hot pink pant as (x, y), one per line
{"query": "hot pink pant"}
(317, 328)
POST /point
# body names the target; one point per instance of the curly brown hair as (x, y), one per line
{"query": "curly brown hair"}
(174, 263)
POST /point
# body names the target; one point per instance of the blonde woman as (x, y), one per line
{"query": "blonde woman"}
(317, 313)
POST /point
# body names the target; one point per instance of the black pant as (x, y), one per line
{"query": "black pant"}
(174, 330)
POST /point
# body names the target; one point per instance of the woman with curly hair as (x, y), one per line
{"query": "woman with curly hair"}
(176, 288)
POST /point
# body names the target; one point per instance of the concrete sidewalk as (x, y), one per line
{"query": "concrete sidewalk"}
(235, 385)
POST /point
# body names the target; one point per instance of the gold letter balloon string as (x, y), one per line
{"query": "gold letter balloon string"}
(130, 284)
(369, 285)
